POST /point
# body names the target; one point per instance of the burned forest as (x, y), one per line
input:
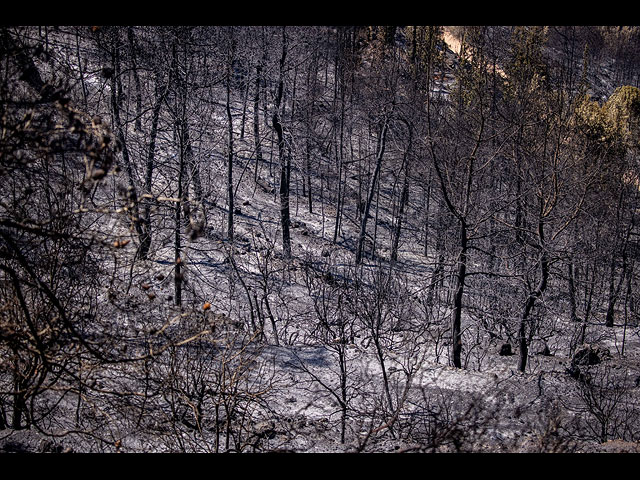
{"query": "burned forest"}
(405, 239)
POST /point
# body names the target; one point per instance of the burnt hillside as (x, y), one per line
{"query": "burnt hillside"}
(314, 239)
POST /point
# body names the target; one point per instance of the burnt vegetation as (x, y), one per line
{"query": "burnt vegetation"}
(352, 239)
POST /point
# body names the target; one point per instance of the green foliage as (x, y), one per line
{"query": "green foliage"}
(622, 111)
(527, 70)
(591, 120)
(426, 48)
(472, 72)
(615, 124)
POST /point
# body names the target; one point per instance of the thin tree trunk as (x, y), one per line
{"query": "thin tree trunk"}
(307, 179)
(531, 299)
(312, 78)
(372, 190)
(136, 78)
(285, 162)
(177, 230)
(461, 216)
(256, 122)
(456, 331)
(245, 102)
(427, 209)
(19, 402)
(145, 243)
(132, 194)
(339, 193)
(339, 96)
(271, 319)
(404, 198)
(614, 290)
(612, 293)
(81, 73)
(572, 292)
(230, 199)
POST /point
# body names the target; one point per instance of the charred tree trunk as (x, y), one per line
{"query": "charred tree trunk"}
(614, 289)
(285, 161)
(372, 190)
(456, 330)
(230, 199)
(404, 199)
(573, 308)
(136, 78)
(531, 299)
(145, 243)
(178, 275)
(256, 121)
(132, 193)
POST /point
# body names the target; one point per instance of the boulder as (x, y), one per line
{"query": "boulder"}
(505, 349)
(588, 355)
(545, 352)
(265, 429)
(581, 374)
